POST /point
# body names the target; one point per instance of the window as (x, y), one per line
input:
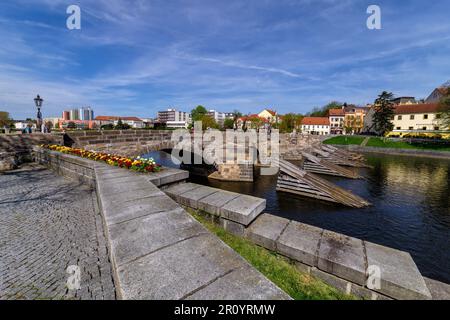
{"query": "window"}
(438, 116)
(411, 128)
(411, 117)
(424, 128)
(436, 128)
(425, 116)
(399, 117)
(399, 128)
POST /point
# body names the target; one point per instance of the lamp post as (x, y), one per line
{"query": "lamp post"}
(39, 125)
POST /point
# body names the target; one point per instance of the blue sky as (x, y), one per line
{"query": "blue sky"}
(138, 57)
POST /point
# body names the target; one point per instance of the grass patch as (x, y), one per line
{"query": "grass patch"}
(278, 269)
(387, 143)
(345, 140)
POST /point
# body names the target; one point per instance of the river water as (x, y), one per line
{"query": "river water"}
(410, 206)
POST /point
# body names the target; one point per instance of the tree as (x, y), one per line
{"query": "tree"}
(5, 120)
(444, 111)
(228, 123)
(256, 122)
(208, 122)
(384, 113)
(121, 126)
(198, 113)
(236, 116)
(323, 112)
(71, 125)
(290, 122)
(108, 126)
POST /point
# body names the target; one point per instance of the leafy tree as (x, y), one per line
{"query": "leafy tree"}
(71, 125)
(198, 113)
(236, 116)
(290, 122)
(108, 126)
(323, 112)
(256, 122)
(208, 122)
(444, 111)
(121, 125)
(228, 123)
(5, 120)
(384, 112)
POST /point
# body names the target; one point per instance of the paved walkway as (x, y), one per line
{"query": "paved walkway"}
(46, 224)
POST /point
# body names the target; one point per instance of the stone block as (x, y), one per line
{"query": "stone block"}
(336, 282)
(342, 256)
(138, 237)
(243, 209)
(215, 201)
(234, 228)
(106, 189)
(191, 197)
(115, 199)
(400, 278)
(438, 290)
(176, 190)
(266, 229)
(241, 284)
(177, 271)
(300, 242)
(120, 212)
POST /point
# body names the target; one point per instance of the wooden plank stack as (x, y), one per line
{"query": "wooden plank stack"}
(292, 179)
(314, 164)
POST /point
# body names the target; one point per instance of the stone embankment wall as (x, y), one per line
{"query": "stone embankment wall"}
(16, 149)
(158, 251)
(124, 142)
(341, 261)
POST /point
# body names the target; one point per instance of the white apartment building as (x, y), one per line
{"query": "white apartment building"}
(218, 116)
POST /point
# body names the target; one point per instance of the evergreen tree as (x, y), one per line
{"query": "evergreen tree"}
(444, 111)
(384, 113)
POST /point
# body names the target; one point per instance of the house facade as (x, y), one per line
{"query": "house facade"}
(419, 117)
(270, 115)
(336, 118)
(316, 125)
(354, 119)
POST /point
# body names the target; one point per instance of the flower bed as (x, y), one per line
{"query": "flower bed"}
(137, 164)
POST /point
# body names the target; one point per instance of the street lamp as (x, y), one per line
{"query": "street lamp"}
(39, 125)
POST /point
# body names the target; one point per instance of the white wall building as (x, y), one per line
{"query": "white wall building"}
(316, 125)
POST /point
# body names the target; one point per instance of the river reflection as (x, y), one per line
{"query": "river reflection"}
(410, 212)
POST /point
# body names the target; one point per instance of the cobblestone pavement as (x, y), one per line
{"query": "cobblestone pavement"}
(47, 223)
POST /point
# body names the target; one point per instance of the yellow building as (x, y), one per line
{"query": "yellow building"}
(423, 117)
(270, 115)
(354, 119)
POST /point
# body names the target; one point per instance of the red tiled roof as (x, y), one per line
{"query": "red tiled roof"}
(321, 121)
(336, 112)
(273, 113)
(417, 108)
(252, 116)
(114, 118)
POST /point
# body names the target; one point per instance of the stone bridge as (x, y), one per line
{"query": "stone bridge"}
(13, 149)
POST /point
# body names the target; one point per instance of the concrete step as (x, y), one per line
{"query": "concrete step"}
(241, 209)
